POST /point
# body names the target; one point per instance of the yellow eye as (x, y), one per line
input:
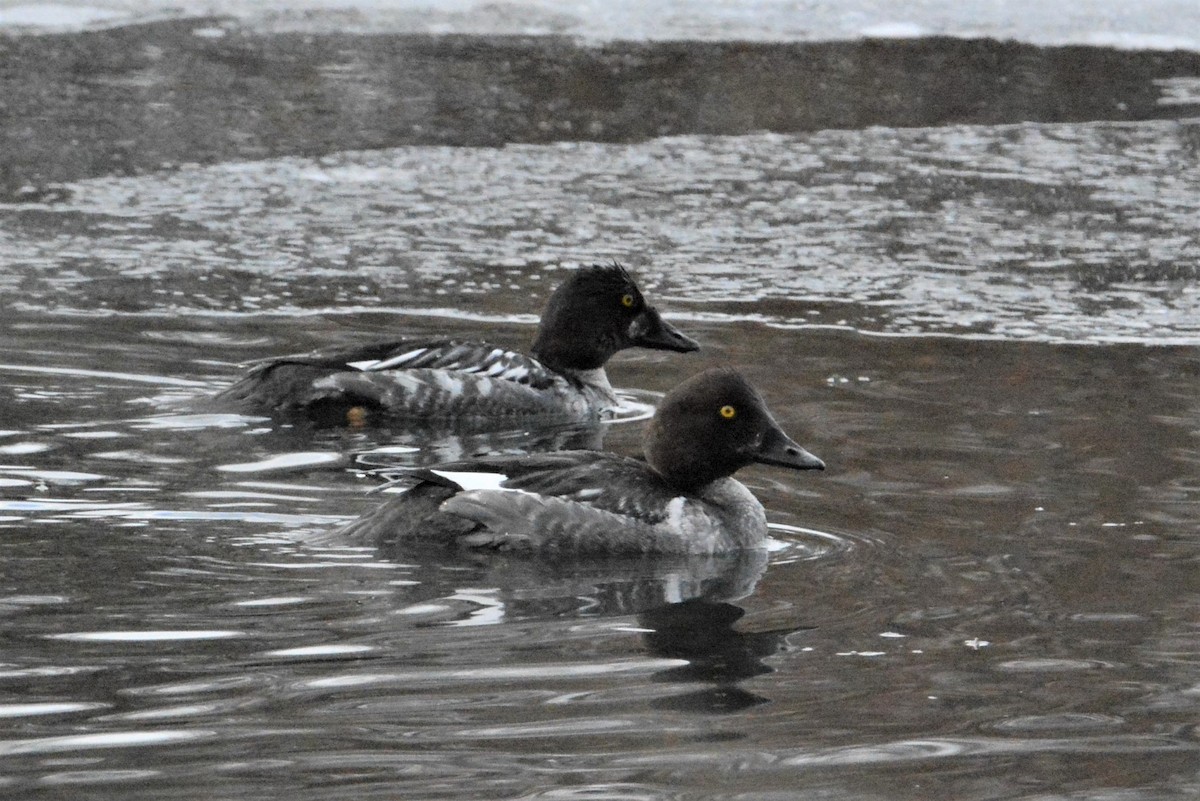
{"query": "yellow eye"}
(627, 301)
(728, 412)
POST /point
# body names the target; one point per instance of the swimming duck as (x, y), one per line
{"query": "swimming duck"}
(682, 499)
(595, 313)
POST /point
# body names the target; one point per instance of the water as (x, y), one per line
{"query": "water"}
(992, 588)
(989, 334)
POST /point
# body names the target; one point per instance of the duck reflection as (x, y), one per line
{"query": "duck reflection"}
(683, 608)
(701, 631)
(431, 443)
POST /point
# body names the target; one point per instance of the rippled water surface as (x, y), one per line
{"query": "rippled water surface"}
(989, 334)
(1064, 233)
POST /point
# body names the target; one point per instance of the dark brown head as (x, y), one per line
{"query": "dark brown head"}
(596, 312)
(714, 424)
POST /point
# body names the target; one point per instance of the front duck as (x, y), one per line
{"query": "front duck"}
(681, 499)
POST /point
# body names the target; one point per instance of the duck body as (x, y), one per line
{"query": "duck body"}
(681, 500)
(424, 379)
(566, 502)
(595, 313)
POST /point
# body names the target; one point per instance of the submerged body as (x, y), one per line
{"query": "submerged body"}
(597, 312)
(682, 499)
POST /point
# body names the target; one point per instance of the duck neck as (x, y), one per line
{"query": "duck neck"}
(594, 380)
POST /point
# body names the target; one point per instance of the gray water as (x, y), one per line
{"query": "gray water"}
(988, 333)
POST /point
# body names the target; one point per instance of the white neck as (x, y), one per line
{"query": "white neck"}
(595, 380)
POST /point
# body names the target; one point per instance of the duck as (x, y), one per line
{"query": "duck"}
(593, 314)
(680, 499)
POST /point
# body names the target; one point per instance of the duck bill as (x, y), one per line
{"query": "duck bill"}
(650, 330)
(779, 449)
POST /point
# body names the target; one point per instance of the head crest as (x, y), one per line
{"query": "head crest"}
(611, 274)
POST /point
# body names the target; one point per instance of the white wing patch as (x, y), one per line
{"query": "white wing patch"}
(465, 357)
(475, 481)
(395, 361)
(675, 514)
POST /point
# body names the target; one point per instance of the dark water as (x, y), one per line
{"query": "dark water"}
(992, 590)
(988, 333)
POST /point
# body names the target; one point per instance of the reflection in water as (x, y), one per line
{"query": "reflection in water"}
(532, 588)
(430, 444)
(701, 631)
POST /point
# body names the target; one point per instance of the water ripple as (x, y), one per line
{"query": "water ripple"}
(145, 636)
(1049, 233)
(909, 750)
(285, 461)
(1064, 721)
(937, 748)
(76, 372)
(47, 708)
(498, 673)
(89, 742)
(90, 777)
(1047, 665)
(799, 544)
